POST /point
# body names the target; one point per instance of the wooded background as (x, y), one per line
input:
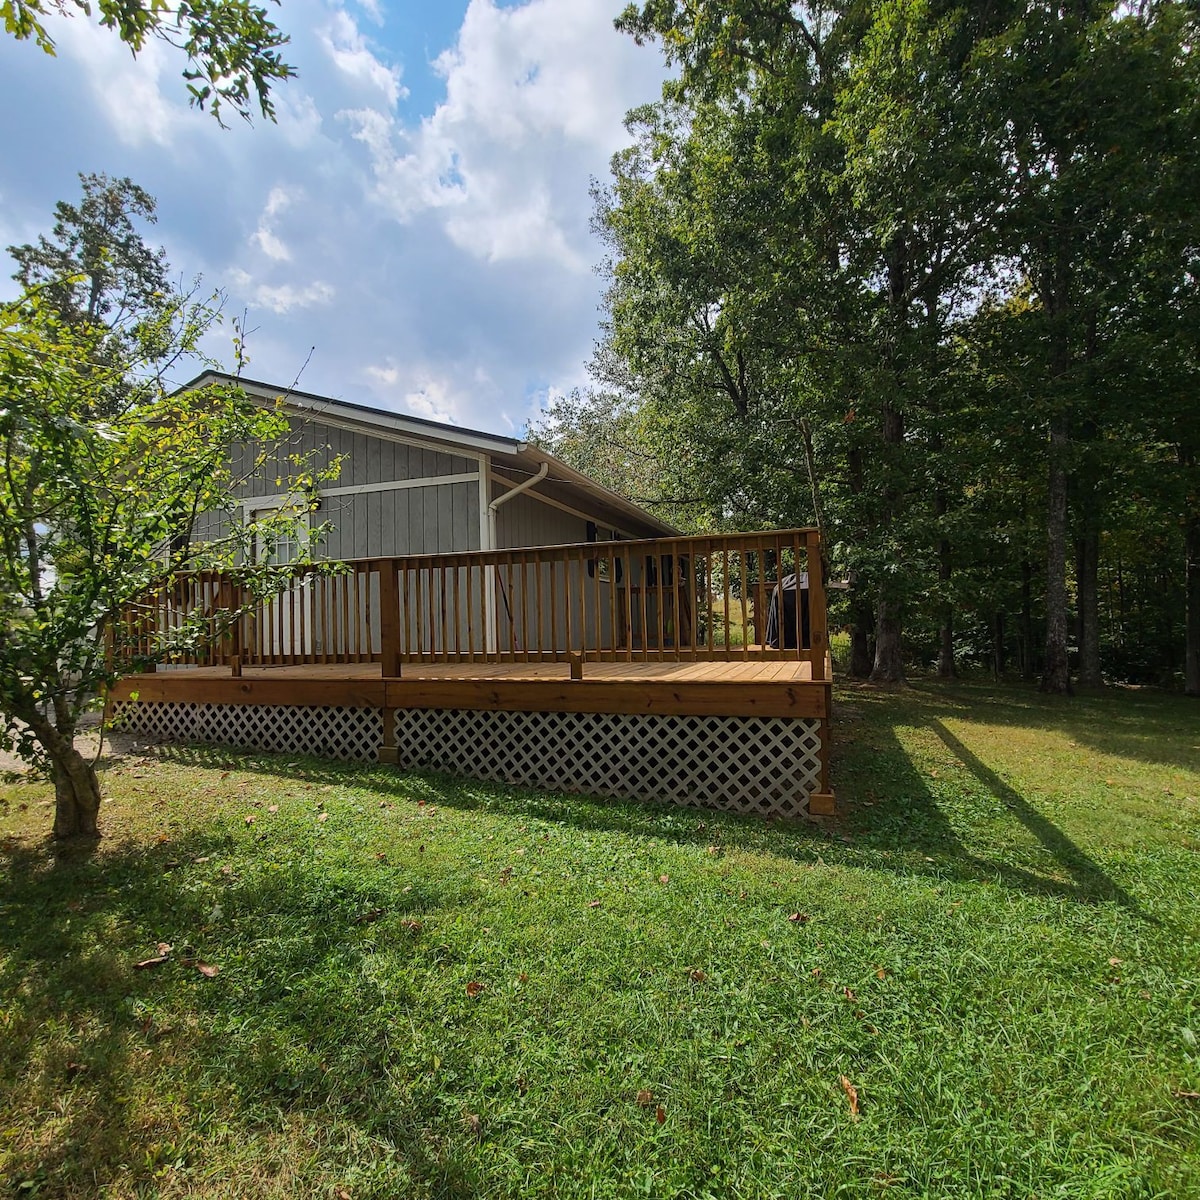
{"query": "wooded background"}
(926, 275)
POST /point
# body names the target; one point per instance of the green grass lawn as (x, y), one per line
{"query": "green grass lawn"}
(434, 988)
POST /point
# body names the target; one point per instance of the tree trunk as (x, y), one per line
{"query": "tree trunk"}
(76, 788)
(1056, 676)
(998, 655)
(1028, 671)
(860, 639)
(889, 665)
(945, 666)
(1088, 587)
(1191, 661)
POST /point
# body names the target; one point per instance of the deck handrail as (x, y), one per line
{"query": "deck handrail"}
(690, 597)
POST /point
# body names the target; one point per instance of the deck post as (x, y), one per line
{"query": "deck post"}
(818, 617)
(388, 750)
(576, 661)
(389, 618)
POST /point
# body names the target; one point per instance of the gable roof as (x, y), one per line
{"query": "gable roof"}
(509, 455)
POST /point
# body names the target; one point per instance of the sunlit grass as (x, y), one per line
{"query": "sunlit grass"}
(436, 988)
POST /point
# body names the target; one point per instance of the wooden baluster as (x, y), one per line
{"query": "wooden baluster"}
(471, 608)
(538, 603)
(554, 650)
(628, 633)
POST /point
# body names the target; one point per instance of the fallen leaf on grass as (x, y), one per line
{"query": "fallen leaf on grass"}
(660, 1115)
(323, 816)
(208, 970)
(593, 904)
(851, 1094)
(474, 988)
(849, 994)
(365, 918)
(881, 973)
(645, 1098)
(250, 820)
(163, 947)
(150, 962)
(800, 918)
(272, 808)
(411, 925)
(1186, 1095)
(697, 976)
(1115, 962)
(74, 1068)
(664, 879)
(473, 1123)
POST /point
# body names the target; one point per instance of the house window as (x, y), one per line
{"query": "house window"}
(282, 550)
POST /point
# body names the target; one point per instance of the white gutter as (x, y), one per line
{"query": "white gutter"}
(511, 494)
(543, 471)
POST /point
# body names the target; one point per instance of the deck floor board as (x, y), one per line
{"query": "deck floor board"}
(716, 672)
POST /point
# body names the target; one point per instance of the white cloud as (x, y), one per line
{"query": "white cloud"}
(283, 297)
(535, 97)
(125, 91)
(420, 391)
(265, 237)
(350, 53)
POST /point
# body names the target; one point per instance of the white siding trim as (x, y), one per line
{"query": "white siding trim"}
(355, 489)
(313, 416)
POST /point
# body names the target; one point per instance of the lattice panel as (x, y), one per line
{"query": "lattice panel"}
(325, 731)
(740, 764)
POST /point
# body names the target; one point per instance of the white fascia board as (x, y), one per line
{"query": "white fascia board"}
(393, 426)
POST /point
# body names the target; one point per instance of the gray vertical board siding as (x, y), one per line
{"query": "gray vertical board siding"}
(440, 519)
(524, 521)
(366, 459)
(210, 526)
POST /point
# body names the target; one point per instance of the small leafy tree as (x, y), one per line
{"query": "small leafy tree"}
(94, 513)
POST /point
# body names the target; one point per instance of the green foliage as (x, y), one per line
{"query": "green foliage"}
(921, 274)
(232, 47)
(1009, 900)
(92, 509)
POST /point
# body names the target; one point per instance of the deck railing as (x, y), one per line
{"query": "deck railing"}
(669, 599)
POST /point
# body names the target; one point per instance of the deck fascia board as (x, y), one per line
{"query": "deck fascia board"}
(625, 696)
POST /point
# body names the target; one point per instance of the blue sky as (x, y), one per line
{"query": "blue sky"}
(418, 217)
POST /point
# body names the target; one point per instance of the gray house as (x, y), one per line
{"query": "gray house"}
(501, 616)
(412, 486)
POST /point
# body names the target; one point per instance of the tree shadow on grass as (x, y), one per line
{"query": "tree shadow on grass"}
(904, 830)
(1090, 881)
(1139, 724)
(109, 1075)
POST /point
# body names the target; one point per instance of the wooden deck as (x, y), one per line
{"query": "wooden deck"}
(747, 688)
(615, 668)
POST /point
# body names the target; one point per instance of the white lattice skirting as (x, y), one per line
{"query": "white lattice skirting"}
(328, 732)
(740, 764)
(763, 765)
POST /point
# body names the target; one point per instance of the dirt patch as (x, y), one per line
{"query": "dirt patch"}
(116, 745)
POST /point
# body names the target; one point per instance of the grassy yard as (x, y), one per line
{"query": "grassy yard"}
(983, 981)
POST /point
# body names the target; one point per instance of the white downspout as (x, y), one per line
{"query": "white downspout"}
(511, 494)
